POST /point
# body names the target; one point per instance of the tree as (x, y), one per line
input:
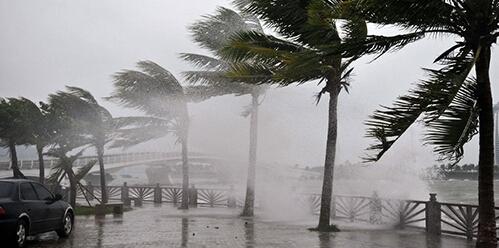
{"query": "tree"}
(213, 33)
(308, 28)
(452, 103)
(15, 127)
(156, 92)
(39, 133)
(94, 120)
(69, 135)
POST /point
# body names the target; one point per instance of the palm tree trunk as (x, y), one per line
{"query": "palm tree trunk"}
(184, 136)
(327, 183)
(41, 164)
(185, 175)
(249, 203)
(72, 188)
(486, 211)
(13, 160)
(102, 171)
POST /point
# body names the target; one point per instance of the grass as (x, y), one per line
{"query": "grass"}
(86, 210)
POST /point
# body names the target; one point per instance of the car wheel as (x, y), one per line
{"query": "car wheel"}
(67, 226)
(21, 234)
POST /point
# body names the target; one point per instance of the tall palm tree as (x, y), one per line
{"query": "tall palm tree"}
(307, 28)
(452, 102)
(213, 32)
(15, 127)
(156, 92)
(95, 120)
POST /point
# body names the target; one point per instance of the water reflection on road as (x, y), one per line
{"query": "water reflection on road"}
(199, 228)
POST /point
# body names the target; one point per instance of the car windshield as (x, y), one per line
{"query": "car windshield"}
(6, 189)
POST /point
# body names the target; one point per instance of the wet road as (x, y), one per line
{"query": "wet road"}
(169, 227)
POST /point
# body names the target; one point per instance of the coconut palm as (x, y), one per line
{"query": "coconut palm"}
(453, 102)
(94, 120)
(306, 28)
(15, 127)
(69, 135)
(213, 33)
(156, 92)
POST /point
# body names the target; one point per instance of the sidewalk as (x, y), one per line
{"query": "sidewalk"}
(166, 226)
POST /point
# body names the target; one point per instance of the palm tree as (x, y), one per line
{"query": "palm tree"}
(156, 92)
(454, 104)
(95, 120)
(39, 133)
(307, 28)
(15, 127)
(213, 33)
(69, 135)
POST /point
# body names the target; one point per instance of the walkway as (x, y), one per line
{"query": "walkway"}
(168, 227)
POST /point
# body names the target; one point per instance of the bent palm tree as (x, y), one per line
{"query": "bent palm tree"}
(452, 103)
(307, 27)
(69, 134)
(157, 93)
(15, 127)
(213, 33)
(95, 121)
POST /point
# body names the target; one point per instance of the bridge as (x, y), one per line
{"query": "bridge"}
(115, 162)
(112, 162)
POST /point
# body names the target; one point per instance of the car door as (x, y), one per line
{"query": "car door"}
(53, 209)
(33, 207)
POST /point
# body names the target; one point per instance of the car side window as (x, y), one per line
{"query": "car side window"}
(27, 192)
(42, 192)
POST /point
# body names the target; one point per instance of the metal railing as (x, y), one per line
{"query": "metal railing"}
(432, 216)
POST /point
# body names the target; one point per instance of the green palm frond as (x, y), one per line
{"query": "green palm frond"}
(204, 62)
(457, 125)
(422, 13)
(296, 19)
(428, 100)
(259, 48)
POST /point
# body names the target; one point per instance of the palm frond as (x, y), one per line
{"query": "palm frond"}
(457, 125)
(214, 31)
(429, 99)
(84, 170)
(154, 91)
(296, 19)
(204, 62)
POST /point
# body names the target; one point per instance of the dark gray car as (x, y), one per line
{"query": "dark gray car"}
(28, 208)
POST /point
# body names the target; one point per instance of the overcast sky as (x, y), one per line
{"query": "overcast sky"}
(47, 44)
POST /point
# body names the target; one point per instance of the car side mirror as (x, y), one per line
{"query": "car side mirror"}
(57, 197)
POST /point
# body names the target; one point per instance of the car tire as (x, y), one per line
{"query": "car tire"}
(21, 234)
(67, 226)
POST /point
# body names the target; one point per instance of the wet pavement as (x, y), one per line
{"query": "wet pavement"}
(203, 227)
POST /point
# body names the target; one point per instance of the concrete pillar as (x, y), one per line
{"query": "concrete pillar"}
(157, 194)
(375, 207)
(193, 197)
(433, 216)
(125, 197)
(469, 222)
(137, 202)
(231, 200)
